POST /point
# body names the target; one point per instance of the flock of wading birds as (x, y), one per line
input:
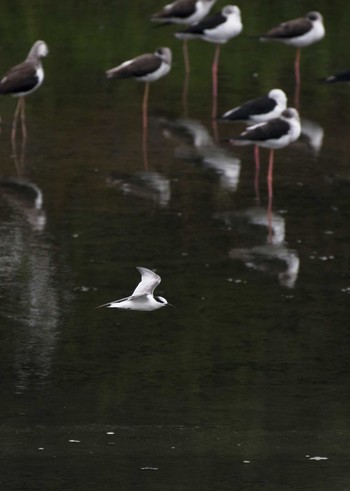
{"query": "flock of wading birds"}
(270, 123)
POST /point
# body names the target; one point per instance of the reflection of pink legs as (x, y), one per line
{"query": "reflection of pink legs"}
(269, 220)
(186, 56)
(215, 79)
(270, 194)
(145, 106)
(270, 175)
(257, 171)
(145, 147)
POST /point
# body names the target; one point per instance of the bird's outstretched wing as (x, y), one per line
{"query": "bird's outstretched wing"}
(149, 281)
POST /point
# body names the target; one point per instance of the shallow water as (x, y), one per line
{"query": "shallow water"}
(244, 385)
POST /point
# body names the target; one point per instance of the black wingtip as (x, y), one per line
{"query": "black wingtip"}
(103, 305)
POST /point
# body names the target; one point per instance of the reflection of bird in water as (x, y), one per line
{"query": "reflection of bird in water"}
(23, 79)
(199, 147)
(25, 197)
(273, 134)
(218, 29)
(142, 298)
(274, 257)
(313, 133)
(299, 33)
(186, 12)
(29, 283)
(149, 185)
(258, 110)
(145, 68)
(253, 223)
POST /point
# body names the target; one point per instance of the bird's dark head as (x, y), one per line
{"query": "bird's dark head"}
(163, 301)
(164, 54)
(290, 113)
(313, 16)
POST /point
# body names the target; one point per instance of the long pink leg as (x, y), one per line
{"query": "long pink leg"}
(23, 119)
(270, 175)
(297, 79)
(15, 119)
(257, 171)
(186, 55)
(297, 67)
(215, 79)
(145, 126)
(145, 107)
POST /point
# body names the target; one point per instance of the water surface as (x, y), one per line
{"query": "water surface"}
(245, 384)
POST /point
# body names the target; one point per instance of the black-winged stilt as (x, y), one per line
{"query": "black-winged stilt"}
(258, 110)
(145, 68)
(273, 134)
(218, 29)
(299, 33)
(184, 12)
(23, 79)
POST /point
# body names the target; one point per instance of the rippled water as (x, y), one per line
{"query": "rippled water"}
(245, 384)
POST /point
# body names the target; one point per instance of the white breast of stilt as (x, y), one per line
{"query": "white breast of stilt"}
(163, 69)
(290, 136)
(227, 30)
(316, 33)
(202, 9)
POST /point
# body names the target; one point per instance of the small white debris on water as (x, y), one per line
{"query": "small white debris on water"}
(246, 461)
(74, 441)
(317, 457)
(149, 468)
(110, 433)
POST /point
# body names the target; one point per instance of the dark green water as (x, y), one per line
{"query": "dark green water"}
(245, 385)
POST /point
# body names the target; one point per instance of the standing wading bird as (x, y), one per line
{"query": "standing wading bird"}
(186, 12)
(145, 68)
(299, 33)
(273, 134)
(218, 29)
(258, 110)
(142, 298)
(23, 79)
